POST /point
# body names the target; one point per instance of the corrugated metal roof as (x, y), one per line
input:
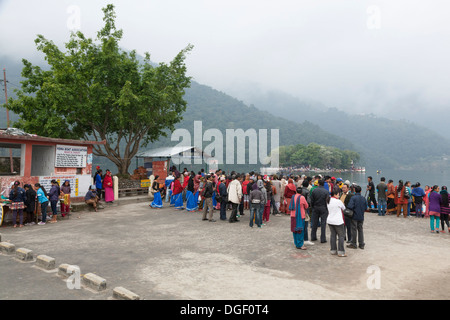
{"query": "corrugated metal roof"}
(170, 152)
(17, 136)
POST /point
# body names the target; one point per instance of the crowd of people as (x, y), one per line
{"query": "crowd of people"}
(311, 202)
(30, 198)
(34, 199)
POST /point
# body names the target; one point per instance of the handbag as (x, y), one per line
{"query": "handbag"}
(348, 213)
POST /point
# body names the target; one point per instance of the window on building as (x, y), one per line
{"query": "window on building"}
(10, 152)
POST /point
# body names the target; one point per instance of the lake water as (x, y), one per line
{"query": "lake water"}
(425, 177)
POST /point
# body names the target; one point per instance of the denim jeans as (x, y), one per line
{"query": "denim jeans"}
(319, 213)
(254, 214)
(44, 211)
(168, 195)
(260, 213)
(419, 211)
(53, 204)
(382, 207)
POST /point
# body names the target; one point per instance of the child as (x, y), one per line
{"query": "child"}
(65, 198)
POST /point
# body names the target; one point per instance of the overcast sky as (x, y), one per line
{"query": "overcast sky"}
(388, 57)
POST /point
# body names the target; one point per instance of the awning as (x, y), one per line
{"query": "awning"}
(179, 153)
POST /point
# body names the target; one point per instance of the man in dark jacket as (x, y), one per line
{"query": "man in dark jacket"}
(345, 198)
(358, 204)
(223, 198)
(319, 200)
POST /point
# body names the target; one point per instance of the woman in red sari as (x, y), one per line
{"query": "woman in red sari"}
(400, 200)
(108, 185)
(289, 192)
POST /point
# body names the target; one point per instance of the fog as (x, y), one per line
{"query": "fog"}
(389, 58)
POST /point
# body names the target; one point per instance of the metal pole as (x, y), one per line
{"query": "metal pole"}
(7, 119)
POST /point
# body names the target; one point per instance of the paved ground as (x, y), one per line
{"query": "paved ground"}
(167, 254)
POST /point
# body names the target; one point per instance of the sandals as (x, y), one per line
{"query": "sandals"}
(342, 255)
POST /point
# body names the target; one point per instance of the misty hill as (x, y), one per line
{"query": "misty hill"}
(216, 110)
(383, 142)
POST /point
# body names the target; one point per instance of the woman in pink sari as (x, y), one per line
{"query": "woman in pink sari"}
(426, 199)
(108, 185)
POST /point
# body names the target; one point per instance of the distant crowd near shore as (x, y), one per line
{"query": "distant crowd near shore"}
(311, 202)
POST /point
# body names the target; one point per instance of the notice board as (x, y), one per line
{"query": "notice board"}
(70, 157)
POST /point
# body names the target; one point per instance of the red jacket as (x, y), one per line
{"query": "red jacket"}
(290, 190)
(177, 187)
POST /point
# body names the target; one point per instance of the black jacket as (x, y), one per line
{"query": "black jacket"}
(30, 202)
(319, 197)
(209, 190)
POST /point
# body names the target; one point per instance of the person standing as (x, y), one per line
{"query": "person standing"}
(30, 204)
(371, 190)
(167, 184)
(435, 202)
(54, 194)
(207, 194)
(408, 197)
(18, 197)
(358, 204)
(382, 202)
(445, 209)
(283, 184)
(391, 207)
(400, 199)
(335, 221)
(177, 194)
(108, 186)
(346, 195)
(276, 195)
(246, 192)
(289, 192)
(223, 198)
(191, 201)
(297, 210)
(255, 199)
(266, 212)
(319, 201)
(65, 197)
(43, 200)
(418, 193)
(426, 200)
(98, 180)
(157, 199)
(234, 196)
(305, 193)
(263, 190)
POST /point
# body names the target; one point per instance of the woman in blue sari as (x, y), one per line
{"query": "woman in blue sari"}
(177, 195)
(297, 208)
(191, 199)
(157, 200)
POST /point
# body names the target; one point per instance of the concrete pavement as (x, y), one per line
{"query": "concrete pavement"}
(167, 254)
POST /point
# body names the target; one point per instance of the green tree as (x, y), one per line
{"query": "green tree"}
(95, 90)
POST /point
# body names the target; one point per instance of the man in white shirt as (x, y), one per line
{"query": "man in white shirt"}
(234, 196)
